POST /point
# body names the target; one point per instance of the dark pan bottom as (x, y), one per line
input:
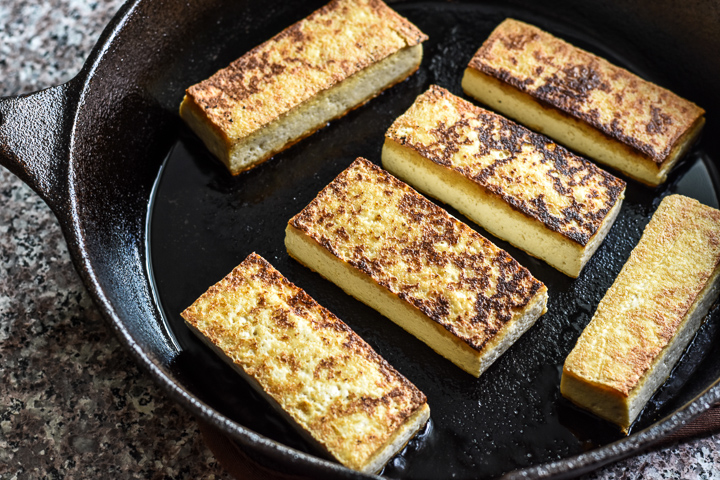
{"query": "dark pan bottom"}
(204, 222)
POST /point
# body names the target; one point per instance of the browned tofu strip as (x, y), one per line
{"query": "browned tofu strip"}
(518, 185)
(649, 314)
(583, 101)
(312, 72)
(310, 365)
(390, 247)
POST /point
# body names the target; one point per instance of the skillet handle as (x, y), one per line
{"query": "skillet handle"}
(35, 139)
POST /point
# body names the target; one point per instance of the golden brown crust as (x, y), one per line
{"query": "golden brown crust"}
(329, 380)
(377, 224)
(642, 310)
(531, 174)
(316, 53)
(641, 115)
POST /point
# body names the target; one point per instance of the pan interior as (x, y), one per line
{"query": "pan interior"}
(203, 222)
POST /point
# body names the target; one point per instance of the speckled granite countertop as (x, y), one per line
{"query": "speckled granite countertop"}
(72, 402)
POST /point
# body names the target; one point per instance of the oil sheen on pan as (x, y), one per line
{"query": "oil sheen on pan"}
(512, 416)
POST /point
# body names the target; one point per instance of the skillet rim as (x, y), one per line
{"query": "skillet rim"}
(77, 245)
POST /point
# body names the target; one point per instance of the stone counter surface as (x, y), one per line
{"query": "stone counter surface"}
(72, 402)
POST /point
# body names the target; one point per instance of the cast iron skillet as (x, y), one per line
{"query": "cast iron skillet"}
(151, 221)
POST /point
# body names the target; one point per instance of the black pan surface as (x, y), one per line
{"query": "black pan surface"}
(148, 235)
(203, 222)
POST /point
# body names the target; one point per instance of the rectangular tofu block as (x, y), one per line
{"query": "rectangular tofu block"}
(583, 101)
(516, 184)
(312, 72)
(391, 248)
(649, 315)
(310, 365)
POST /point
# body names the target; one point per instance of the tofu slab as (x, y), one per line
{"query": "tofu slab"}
(327, 381)
(583, 101)
(391, 248)
(516, 184)
(649, 314)
(312, 72)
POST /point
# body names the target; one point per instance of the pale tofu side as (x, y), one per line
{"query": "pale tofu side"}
(394, 250)
(649, 314)
(583, 101)
(518, 185)
(312, 366)
(312, 72)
